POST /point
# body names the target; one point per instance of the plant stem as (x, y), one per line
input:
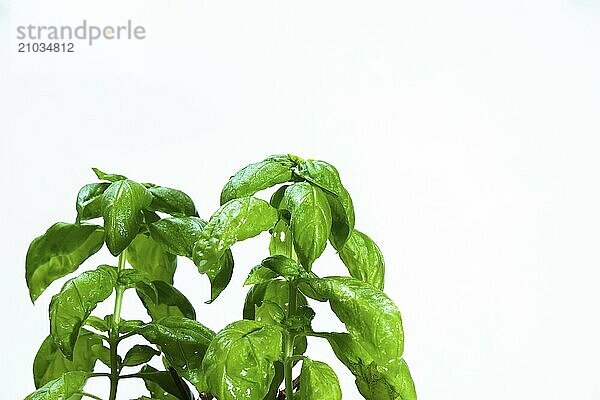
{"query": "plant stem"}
(114, 333)
(288, 362)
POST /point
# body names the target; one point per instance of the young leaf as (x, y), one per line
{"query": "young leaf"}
(147, 256)
(273, 291)
(122, 205)
(171, 201)
(363, 259)
(281, 240)
(220, 276)
(163, 386)
(165, 301)
(177, 235)
(139, 354)
(67, 385)
(182, 341)
(310, 222)
(239, 362)
(373, 382)
(89, 201)
(108, 177)
(58, 252)
(327, 177)
(274, 267)
(50, 363)
(258, 176)
(371, 317)
(97, 323)
(79, 296)
(318, 381)
(237, 220)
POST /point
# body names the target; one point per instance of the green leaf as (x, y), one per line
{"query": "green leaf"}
(273, 291)
(237, 220)
(363, 259)
(96, 323)
(146, 255)
(327, 177)
(258, 176)
(182, 341)
(274, 267)
(171, 201)
(177, 235)
(163, 385)
(318, 381)
(371, 317)
(89, 201)
(62, 388)
(79, 296)
(122, 205)
(373, 382)
(163, 300)
(139, 354)
(58, 252)
(310, 222)
(220, 276)
(281, 240)
(108, 177)
(50, 363)
(238, 364)
(103, 354)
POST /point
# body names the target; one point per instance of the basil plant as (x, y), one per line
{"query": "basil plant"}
(145, 247)
(250, 359)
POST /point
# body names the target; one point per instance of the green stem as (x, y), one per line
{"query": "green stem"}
(91, 396)
(288, 362)
(114, 333)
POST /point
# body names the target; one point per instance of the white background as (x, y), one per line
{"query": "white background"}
(466, 131)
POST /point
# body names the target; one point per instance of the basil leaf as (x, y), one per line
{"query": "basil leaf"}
(122, 205)
(363, 259)
(171, 201)
(58, 252)
(373, 382)
(274, 267)
(108, 177)
(182, 341)
(162, 385)
(258, 176)
(273, 291)
(139, 354)
(327, 177)
(147, 256)
(77, 299)
(239, 362)
(166, 301)
(237, 220)
(371, 317)
(177, 235)
(50, 363)
(310, 221)
(103, 354)
(221, 275)
(318, 381)
(89, 201)
(96, 323)
(62, 388)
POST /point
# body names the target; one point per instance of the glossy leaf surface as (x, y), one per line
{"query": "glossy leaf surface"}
(177, 234)
(310, 221)
(163, 300)
(318, 382)
(122, 205)
(139, 354)
(79, 296)
(147, 256)
(62, 388)
(58, 252)
(50, 363)
(239, 362)
(89, 201)
(371, 317)
(258, 176)
(363, 259)
(171, 201)
(182, 341)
